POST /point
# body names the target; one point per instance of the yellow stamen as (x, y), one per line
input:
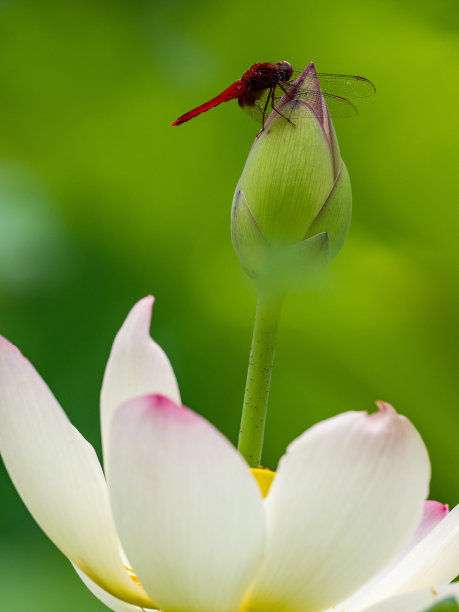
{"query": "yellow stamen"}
(132, 575)
(264, 478)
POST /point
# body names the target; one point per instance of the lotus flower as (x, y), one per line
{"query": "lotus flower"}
(181, 524)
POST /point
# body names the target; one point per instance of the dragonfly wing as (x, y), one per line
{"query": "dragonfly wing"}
(337, 106)
(259, 108)
(334, 89)
(341, 85)
(345, 85)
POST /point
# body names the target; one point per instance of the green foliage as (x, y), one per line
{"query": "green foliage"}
(447, 605)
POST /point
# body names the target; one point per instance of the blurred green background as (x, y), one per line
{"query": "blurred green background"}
(102, 202)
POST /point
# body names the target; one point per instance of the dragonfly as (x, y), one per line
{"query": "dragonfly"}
(263, 85)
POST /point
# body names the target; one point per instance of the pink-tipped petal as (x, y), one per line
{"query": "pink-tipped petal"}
(58, 475)
(433, 561)
(434, 512)
(188, 510)
(136, 366)
(347, 496)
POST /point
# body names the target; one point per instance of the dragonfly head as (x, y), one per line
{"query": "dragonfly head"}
(285, 70)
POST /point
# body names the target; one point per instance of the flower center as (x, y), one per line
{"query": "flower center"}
(264, 478)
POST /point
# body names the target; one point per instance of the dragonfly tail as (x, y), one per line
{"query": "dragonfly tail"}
(236, 90)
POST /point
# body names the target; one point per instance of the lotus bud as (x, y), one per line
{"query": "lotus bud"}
(292, 206)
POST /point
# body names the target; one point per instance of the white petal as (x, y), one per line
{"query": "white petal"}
(111, 602)
(434, 512)
(347, 496)
(434, 560)
(188, 510)
(136, 366)
(58, 475)
(416, 601)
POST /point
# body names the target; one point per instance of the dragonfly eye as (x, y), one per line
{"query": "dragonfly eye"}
(285, 70)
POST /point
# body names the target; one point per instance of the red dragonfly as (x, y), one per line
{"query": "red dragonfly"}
(263, 85)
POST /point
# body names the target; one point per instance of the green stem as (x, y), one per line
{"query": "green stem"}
(252, 429)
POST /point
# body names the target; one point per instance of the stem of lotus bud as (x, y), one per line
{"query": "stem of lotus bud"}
(251, 433)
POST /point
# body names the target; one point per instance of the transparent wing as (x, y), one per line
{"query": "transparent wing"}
(261, 110)
(345, 85)
(337, 106)
(335, 88)
(342, 85)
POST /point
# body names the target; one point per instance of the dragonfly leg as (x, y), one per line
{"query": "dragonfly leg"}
(265, 107)
(274, 107)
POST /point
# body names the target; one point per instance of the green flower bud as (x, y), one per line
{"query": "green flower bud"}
(292, 206)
